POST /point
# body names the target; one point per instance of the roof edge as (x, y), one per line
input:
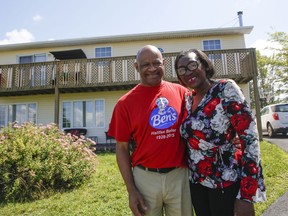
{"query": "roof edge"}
(129, 37)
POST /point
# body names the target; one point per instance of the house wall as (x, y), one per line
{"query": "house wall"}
(45, 107)
(45, 103)
(127, 48)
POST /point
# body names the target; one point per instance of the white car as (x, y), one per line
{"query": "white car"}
(274, 119)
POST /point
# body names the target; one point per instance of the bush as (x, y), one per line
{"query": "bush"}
(38, 160)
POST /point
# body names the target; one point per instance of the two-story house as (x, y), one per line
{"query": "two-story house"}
(75, 83)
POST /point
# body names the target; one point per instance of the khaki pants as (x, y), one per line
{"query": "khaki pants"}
(169, 192)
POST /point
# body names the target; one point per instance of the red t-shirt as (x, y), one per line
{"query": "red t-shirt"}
(152, 116)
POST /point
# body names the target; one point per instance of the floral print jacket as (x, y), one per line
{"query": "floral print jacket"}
(214, 161)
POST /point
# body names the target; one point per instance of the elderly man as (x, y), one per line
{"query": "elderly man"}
(155, 174)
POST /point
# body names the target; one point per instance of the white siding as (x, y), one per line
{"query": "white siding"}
(129, 48)
(45, 105)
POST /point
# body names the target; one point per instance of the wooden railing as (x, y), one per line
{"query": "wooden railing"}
(108, 73)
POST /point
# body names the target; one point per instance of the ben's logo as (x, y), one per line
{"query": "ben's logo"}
(163, 116)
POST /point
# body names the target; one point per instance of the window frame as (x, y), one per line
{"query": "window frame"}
(103, 54)
(34, 56)
(43, 58)
(85, 124)
(10, 116)
(211, 47)
(103, 63)
(212, 57)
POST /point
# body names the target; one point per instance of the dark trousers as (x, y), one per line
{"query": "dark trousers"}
(214, 202)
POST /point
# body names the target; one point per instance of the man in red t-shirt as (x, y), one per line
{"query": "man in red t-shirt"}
(155, 174)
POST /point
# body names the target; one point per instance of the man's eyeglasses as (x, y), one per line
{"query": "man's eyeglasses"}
(191, 66)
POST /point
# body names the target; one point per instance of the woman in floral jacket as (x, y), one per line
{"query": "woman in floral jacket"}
(224, 179)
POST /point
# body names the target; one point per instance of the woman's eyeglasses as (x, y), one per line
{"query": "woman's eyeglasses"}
(191, 66)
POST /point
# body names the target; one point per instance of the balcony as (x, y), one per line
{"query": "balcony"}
(107, 74)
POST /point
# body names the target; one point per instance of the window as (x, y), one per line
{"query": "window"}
(280, 108)
(25, 59)
(264, 111)
(18, 112)
(83, 114)
(103, 52)
(3, 116)
(66, 115)
(212, 45)
(33, 59)
(99, 113)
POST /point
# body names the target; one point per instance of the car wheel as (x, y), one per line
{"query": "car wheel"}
(270, 130)
(284, 134)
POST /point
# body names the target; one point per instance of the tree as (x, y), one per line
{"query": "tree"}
(279, 63)
(273, 71)
(265, 81)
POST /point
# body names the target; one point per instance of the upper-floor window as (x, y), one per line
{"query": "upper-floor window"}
(17, 112)
(32, 58)
(212, 45)
(83, 114)
(33, 74)
(103, 52)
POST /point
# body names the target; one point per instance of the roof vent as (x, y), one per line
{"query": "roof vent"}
(240, 13)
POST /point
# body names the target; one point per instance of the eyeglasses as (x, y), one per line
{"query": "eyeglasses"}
(191, 66)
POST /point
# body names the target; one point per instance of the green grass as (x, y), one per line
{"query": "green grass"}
(105, 194)
(275, 163)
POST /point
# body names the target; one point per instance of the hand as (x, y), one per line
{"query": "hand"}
(236, 142)
(137, 203)
(243, 208)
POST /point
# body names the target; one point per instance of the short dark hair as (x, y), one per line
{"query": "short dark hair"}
(202, 57)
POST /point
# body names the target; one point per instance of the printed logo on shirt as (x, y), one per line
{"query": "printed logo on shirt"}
(163, 116)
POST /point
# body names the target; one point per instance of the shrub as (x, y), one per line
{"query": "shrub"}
(38, 160)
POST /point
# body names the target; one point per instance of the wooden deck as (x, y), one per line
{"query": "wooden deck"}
(107, 74)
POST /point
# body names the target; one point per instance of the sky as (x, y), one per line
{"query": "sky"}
(43, 20)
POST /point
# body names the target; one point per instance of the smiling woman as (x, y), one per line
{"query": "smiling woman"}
(229, 179)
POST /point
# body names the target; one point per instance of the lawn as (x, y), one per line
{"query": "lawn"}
(105, 194)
